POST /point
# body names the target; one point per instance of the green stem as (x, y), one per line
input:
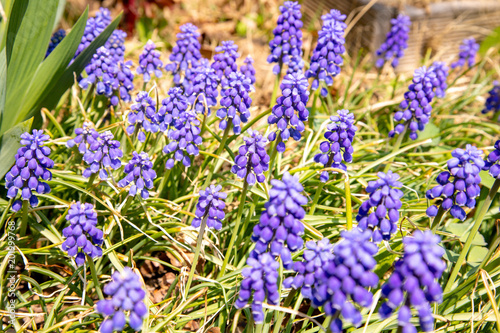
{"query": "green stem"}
(218, 153)
(164, 181)
(24, 221)
(196, 253)
(281, 315)
(274, 152)
(397, 145)
(348, 203)
(275, 89)
(437, 219)
(235, 229)
(127, 205)
(298, 303)
(5, 213)
(313, 109)
(89, 186)
(316, 197)
(482, 213)
(94, 277)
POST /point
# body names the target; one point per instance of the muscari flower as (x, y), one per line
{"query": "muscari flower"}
(493, 101)
(492, 162)
(441, 71)
(467, 54)
(385, 199)
(116, 45)
(186, 52)
(210, 206)
(185, 139)
(335, 15)
(172, 107)
(259, 282)
(139, 171)
(125, 79)
(202, 92)
(416, 108)
(295, 65)
(93, 28)
(414, 282)
(248, 70)
(280, 228)
(103, 15)
(82, 235)
(149, 62)
(126, 302)
(459, 186)
(143, 116)
(225, 59)
(235, 102)
(85, 137)
(395, 43)
(290, 111)
(56, 38)
(287, 40)
(252, 159)
(101, 155)
(338, 147)
(31, 168)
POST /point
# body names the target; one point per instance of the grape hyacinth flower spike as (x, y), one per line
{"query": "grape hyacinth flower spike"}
(30, 170)
(139, 171)
(441, 71)
(149, 62)
(143, 117)
(101, 71)
(248, 70)
(459, 186)
(56, 38)
(126, 302)
(385, 199)
(93, 28)
(416, 108)
(493, 101)
(210, 206)
(202, 92)
(225, 59)
(395, 43)
(290, 111)
(116, 45)
(336, 16)
(467, 54)
(492, 162)
(338, 147)
(186, 52)
(185, 139)
(171, 108)
(252, 159)
(102, 155)
(414, 282)
(235, 102)
(85, 137)
(82, 235)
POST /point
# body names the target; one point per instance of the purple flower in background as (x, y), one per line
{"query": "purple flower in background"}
(139, 171)
(459, 186)
(103, 15)
(149, 62)
(248, 70)
(467, 54)
(280, 228)
(492, 162)
(252, 159)
(82, 235)
(336, 16)
(210, 206)
(56, 38)
(493, 101)
(116, 45)
(85, 137)
(31, 167)
(126, 302)
(290, 111)
(395, 43)
(338, 147)
(287, 40)
(103, 154)
(225, 59)
(441, 71)
(295, 65)
(202, 92)
(260, 282)
(414, 282)
(186, 52)
(101, 71)
(184, 138)
(235, 102)
(94, 27)
(125, 78)
(143, 117)
(416, 108)
(385, 199)
(327, 56)
(172, 107)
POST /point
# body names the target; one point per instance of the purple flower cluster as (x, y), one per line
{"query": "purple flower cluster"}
(248, 70)
(127, 300)
(287, 40)
(235, 102)
(290, 111)
(82, 235)
(279, 229)
(493, 101)
(252, 159)
(395, 43)
(385, 199)
(202, 92)
(32, 164)
(149, 62)
(295, 65)
(185, 139)
(186, 52)
(210, 206)
(116, 45)
(335, 15)
(139, 171)
(441, 71)
(260, 281)
(143, 117)
(459, 186)
(125, 78)
(102, 154)
(85, 137)
(416, 108)
(414, 281)
(225, 59)
(492, 162)
(172, 107)
(467, 54)
(56, 38)
(93, 28)
(338, 147)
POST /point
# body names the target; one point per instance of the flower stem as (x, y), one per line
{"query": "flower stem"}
(89, 186)
(24, 221)
(94, 277)
(313, 109)
(196, 252)
(396, 146)
(276, 87)
(274, 152)
(281, 315)
(164, 181)
(468, 243)
(126, 206)
(348, 203)
(437, 219)
(5, 213)
(219, 152)
(316, 197)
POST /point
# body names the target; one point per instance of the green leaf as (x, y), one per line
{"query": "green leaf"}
(431, 131)
(3, 81)
(486, 179)
(492, 40)
(477, 254)
(9, 144)
(462, 231)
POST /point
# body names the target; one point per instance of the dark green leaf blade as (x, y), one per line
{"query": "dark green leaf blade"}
(9, 144)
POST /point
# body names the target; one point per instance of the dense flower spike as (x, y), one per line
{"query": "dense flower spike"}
(172, 107)
(280, 228)
(139, 171)
(143, 117)
(287, 40)
(492, 162)
(252, 159)
(260, 281)
(441, 71)
(210, 206)
(126, 302)
(149, 62)
(385, 199)
(395, 43)
(32, 166)
(103, 15)
(338, 147)
(414, 282)
(235, 102)
(459, 186)
(103, 154)
(185, 139)
(248, 70)
(125, 78)
(56, 38)
(94, 27)
(290, 111)
(202, 91)
(335, 15)
(101, 71)
(416, 108)
(493, 101)
(467, 54)
(327, 56)
(186, 52)
(225, 59)
(82, 235)
(85, 137)
(116, 45)
(295, 65)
